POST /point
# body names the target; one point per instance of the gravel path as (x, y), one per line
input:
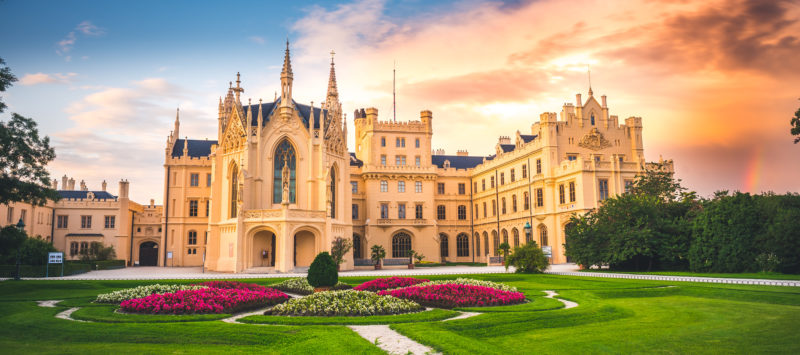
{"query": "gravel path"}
(390, 341)
(47, 303)
(463, 315)
(567, 304)
(68, 315)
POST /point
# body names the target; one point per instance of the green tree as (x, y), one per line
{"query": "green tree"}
(322, 272)
(98, 252)
(35, 251)
(11, 240)
(527, 259)
(339, 248)
(657, 181)
(504, 247)
(795, 123)
(377, 253)
(23, 156)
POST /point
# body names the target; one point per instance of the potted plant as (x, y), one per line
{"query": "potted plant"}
(504, 247)
(378, 254)
(339, 248)
(419, 258)
(322, 274)
(411, 254)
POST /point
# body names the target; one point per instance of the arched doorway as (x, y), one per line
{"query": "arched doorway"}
(304, 248)
(148, 254)
(263, 251)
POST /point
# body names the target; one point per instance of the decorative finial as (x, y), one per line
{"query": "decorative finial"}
(589, 72)
(238, 81)
(332, 54)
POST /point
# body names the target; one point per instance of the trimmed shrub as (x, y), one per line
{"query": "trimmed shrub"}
(388, 283)
(451, 295)
(345, 303)
(323, 271)
(527, 259)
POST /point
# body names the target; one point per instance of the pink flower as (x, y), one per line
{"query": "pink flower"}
(206, 300)
(388, 283)
(456, 295)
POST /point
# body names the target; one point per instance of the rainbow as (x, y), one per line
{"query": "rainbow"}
(752, 177)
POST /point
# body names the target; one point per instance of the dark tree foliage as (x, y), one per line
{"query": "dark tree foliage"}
(11, 239)
(32, 251)
(322, 272)
(339, 248)
(527, 259)
(23, 156)
(795, 123)
(98, 252)
(658, 182)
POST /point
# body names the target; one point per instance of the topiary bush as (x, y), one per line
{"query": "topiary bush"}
(528, 259)
(322, 272)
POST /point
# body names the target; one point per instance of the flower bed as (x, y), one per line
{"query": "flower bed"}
(473, 282)
(301, 286)
(345, 303)
(204, 300)
(388, 283)
(452, 295)
(142, 291)
(232, 285)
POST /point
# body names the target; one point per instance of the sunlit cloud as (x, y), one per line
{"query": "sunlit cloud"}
(85, 28)
(42, 78)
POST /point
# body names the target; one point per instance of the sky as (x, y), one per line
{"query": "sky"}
(716, 82)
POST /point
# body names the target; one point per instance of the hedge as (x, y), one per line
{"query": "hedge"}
(70, 268)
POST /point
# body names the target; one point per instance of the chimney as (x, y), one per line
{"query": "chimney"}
(71, 184)
(372, 114)
(152, 202)
(55, 184)
(462, 153)
(504, 140)
(123, 189)
(604, 101)
(64, 182)
(104, 185)
(578, 100)
(83, 186)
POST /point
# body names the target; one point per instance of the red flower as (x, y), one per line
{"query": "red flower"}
(388, 283)
(206, 300)
(455, 295)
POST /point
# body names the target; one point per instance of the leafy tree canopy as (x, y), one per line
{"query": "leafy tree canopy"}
(659, 182)
(795, 123)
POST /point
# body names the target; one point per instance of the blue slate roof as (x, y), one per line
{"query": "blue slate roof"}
(507, 147)
(198, 148)
(77, 194)
(458, 162)
(527, 138)
(355, 161)
(304, 111)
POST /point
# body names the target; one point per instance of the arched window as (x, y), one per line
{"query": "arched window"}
(513, 203)
(73, 248)
(485, 244)
(234, 190)
(401, 245)
(505, 236)
(333, 192)
(515, 233)
(543, 234)
(357, 254)
(477, 244)
(284, 157)
(494, 208)
(503, 205)
(592, 119)
(192, 238)
(444, 246)
(525, 201)
(495, 242)
(462, 245)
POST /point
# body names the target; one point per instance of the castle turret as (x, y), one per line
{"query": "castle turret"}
(426, 116)
(64, 182)
(104, 185)
(123, 189)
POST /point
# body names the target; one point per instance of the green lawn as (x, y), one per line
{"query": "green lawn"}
(754, 275)
(613, 316)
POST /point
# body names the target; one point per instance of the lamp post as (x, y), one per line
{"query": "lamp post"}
(527, 230)
(21, 227)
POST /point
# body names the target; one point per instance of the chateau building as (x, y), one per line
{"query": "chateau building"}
(279, 184)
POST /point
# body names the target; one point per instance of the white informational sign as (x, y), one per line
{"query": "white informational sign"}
(548, 251)
(169, 255)
(55, 258)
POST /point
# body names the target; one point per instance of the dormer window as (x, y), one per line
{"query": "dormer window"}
(592, 119)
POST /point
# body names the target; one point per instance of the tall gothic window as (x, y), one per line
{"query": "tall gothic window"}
(333, 193)
(462, 245)
(444, 246)
(357, 254)
(234, 190)
(401, 245)
(284, 156)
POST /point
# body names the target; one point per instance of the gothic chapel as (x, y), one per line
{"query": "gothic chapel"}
(274, 184)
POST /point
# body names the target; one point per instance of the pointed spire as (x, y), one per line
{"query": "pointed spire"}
(186, 146)
(286, 79)
(238, 89)
(333, 92)
(260, 117)
(177, 122)
(589, 72)
(287, 63)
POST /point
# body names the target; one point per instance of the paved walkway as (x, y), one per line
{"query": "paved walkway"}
(182, 273)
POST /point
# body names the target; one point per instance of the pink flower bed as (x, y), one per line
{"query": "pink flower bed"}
(387, 283)
(453, 295)
(232, 285)
(206, 300)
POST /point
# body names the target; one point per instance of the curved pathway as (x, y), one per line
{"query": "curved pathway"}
(567, 304)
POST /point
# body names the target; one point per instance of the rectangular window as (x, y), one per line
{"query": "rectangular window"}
(400, 160)
(110, 222)
(418, 186)
(354, 186)
(512, 175)
(10, 215)
(86, 222)
(440, 188)
(62, 221)
(384, 186)
(475, 187)
(484, 210)
(491, 185)
(194, 179)
(416, 143)
(383, 160)
(401, 210)
(462, 188)
(502, 179)
(440, 212)
(23, 215)
(462, 212)
(538, 166)
(603, 186)
(402, 142)
(596, 158)
(628, 185)
(397, 142)
(355, 211)
(401, 186)
(572, 191)
(562, 197)
(524, 171)
(418, 211)
(539, 198)
(383, 141)
(494, 208)
(514, 203)
(417, 161)
(526, 201)
(384, 210)
(572, 157)
(483, 185)
(208, 180)
(208, 208)
(192, 208)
